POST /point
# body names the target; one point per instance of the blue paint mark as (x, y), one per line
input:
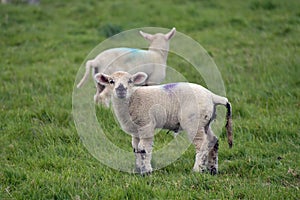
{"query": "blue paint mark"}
(131, 50)
(134, 50)
(169, 86)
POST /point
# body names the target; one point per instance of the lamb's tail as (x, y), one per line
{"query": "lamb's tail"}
(218, 100)
(229, 124)
(86, 74)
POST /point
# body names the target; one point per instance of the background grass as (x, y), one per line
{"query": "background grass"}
(255, 45)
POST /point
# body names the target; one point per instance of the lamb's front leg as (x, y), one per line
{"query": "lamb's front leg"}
(138, 157)
(145, 150)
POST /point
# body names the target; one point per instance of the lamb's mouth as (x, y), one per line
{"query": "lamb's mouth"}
(121, 94)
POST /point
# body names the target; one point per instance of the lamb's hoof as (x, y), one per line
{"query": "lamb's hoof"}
(145, 172)
(199, 169)
(213, 171)
(137, 170)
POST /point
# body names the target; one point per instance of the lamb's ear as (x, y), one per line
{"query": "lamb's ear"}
(102, 78)
(170, 34)
(139, 78)
(147, 36)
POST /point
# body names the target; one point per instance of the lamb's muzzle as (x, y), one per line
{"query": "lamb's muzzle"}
(121, 91)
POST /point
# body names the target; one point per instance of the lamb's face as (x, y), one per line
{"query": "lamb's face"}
(121, 83)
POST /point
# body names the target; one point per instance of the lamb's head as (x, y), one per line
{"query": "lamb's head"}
(159, 41)
(121, 83)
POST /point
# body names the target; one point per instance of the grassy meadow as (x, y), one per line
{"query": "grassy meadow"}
(256, 46)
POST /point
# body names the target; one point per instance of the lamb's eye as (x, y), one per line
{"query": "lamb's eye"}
(130, 81)
(111, 82)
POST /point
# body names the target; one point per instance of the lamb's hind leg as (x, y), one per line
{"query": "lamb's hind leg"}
(201, 157)
(213, 154)
(203, 149)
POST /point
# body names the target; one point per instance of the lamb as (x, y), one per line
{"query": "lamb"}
(175, 106)
(151, 61)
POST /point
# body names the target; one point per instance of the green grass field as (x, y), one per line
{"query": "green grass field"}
(256, 46)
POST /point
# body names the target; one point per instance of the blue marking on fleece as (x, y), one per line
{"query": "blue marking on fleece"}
(169, 86)
(134, 50)
(131, 50)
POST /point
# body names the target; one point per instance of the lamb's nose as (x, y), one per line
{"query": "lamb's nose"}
(121, 91)
(121, 87)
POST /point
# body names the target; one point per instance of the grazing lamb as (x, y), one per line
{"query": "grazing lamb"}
(175, 106)
(151, 61)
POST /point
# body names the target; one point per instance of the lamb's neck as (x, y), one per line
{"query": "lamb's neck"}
(120, 106)
(163, 52)
(121, 109)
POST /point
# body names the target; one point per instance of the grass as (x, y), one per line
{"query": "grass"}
(255, 45)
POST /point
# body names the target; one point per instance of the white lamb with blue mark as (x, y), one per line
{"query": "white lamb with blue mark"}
(177, 106)
(152, 62)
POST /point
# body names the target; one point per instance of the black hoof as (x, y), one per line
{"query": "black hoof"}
(213, 171)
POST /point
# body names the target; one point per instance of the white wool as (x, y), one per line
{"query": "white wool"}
(175, 106)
